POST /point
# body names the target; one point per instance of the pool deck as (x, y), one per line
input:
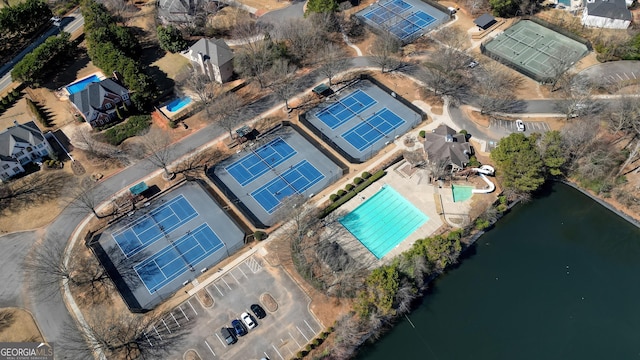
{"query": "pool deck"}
(99, 74)
(408, 187)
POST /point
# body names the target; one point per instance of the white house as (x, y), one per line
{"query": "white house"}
(610, 14)
(213, 57)
(19, 145)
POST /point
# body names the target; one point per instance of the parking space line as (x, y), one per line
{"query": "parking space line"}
(156, 330)
(183, 313)
(209, 292)
(274, 348)
(294, 339)
(234, 278)
(634, 75)
(174, 319)
(245, 275)
(305, 336)
(192, 308)
(620, 76)
(627, 76)
(225, 283)
(210, 349)
(145, 335)
(265, 354)
(165, 325)
(217, 288)
(312, 331)
(221, 342)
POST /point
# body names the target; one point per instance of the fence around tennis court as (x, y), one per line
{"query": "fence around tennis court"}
(523, 69)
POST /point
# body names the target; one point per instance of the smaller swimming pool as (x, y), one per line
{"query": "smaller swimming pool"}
(383, 221)
(82, 84)
(565, 2)
(178, 104)
(461, 192)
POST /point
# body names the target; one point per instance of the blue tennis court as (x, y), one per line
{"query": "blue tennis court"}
(259, 161)
(400, 18)
(297, 179)
(178, 257)
(154, 225)
(345, 109)
(378, 125)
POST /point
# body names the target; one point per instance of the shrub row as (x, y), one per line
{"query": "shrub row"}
(38, 113)
(9, 99)
(119, 133)
(313, 344)
(338, 200)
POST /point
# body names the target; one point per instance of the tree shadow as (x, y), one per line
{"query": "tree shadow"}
(68, 73)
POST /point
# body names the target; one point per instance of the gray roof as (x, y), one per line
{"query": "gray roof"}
(91, 98)
(612, 9)
(216, 50)
(25, 133)
(443, 143)
(178, 10)
(484, 21)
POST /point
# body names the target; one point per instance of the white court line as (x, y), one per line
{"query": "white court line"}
(312, 331)
(287, 345)
(157, 333)
(174, 319)
(221, 342)
(210, 349)
(305, 336)
(183, 313)
(225, 283)
(274, 348)
(165, 325)
(192, 308)
(294, 339)
(234, 278)
(217, 288)
(245, 275)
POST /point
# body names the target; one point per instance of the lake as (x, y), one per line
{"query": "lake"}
(557, 278)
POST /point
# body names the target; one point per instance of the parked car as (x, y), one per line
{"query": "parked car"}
(258, 311)
(520, 125)
(246, 318)
(473, 64)
(239, 328)
(229, 336)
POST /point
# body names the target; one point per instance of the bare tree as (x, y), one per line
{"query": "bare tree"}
(197, 162)
(577, 98)
(202, 86)
(226, 111)
(496, 88)
(32, 189)
(624, 115)
(125, 336)
(254, 61)
(303, 39)
(333, 61)
(87, 197)
(283, 84)
(156, 148)
(83, 139)
(386, 48)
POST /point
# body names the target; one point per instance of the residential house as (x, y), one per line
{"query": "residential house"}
(212, 57)
(97, 103)
(178, 11)
(21, 144)
(444, 146)
(609, 14)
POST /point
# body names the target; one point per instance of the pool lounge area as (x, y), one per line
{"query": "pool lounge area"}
(83, 83)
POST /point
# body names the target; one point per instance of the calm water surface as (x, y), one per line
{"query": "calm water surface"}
(558, 278)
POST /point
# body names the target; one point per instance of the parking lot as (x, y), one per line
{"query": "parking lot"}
(510, 125)
(280, 335)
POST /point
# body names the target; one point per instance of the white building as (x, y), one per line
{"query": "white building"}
(610, 14)
(19, 145)
(213, 57)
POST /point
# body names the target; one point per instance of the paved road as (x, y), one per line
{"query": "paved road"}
(70, 23)
(613, 72)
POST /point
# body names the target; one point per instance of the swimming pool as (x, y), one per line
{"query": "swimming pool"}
(80, 85)
(461, 192)
(565, 2)
(178, 104)
(383, 221)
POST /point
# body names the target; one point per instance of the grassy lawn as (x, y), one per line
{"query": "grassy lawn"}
(11, 3)
(171, 64)
(17, 325)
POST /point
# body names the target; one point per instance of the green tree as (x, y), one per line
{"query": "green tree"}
(552, 153)
(519, 163)
(321, 6)
(43, 60)
(170, 39)
(381, 288)
(504, 8)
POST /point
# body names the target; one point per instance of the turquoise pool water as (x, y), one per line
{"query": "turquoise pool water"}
(178, 103)
(80, 85)
(461, 192)
(383, 221)
(565, 2)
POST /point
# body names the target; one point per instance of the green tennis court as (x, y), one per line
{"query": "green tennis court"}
(535, 50)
